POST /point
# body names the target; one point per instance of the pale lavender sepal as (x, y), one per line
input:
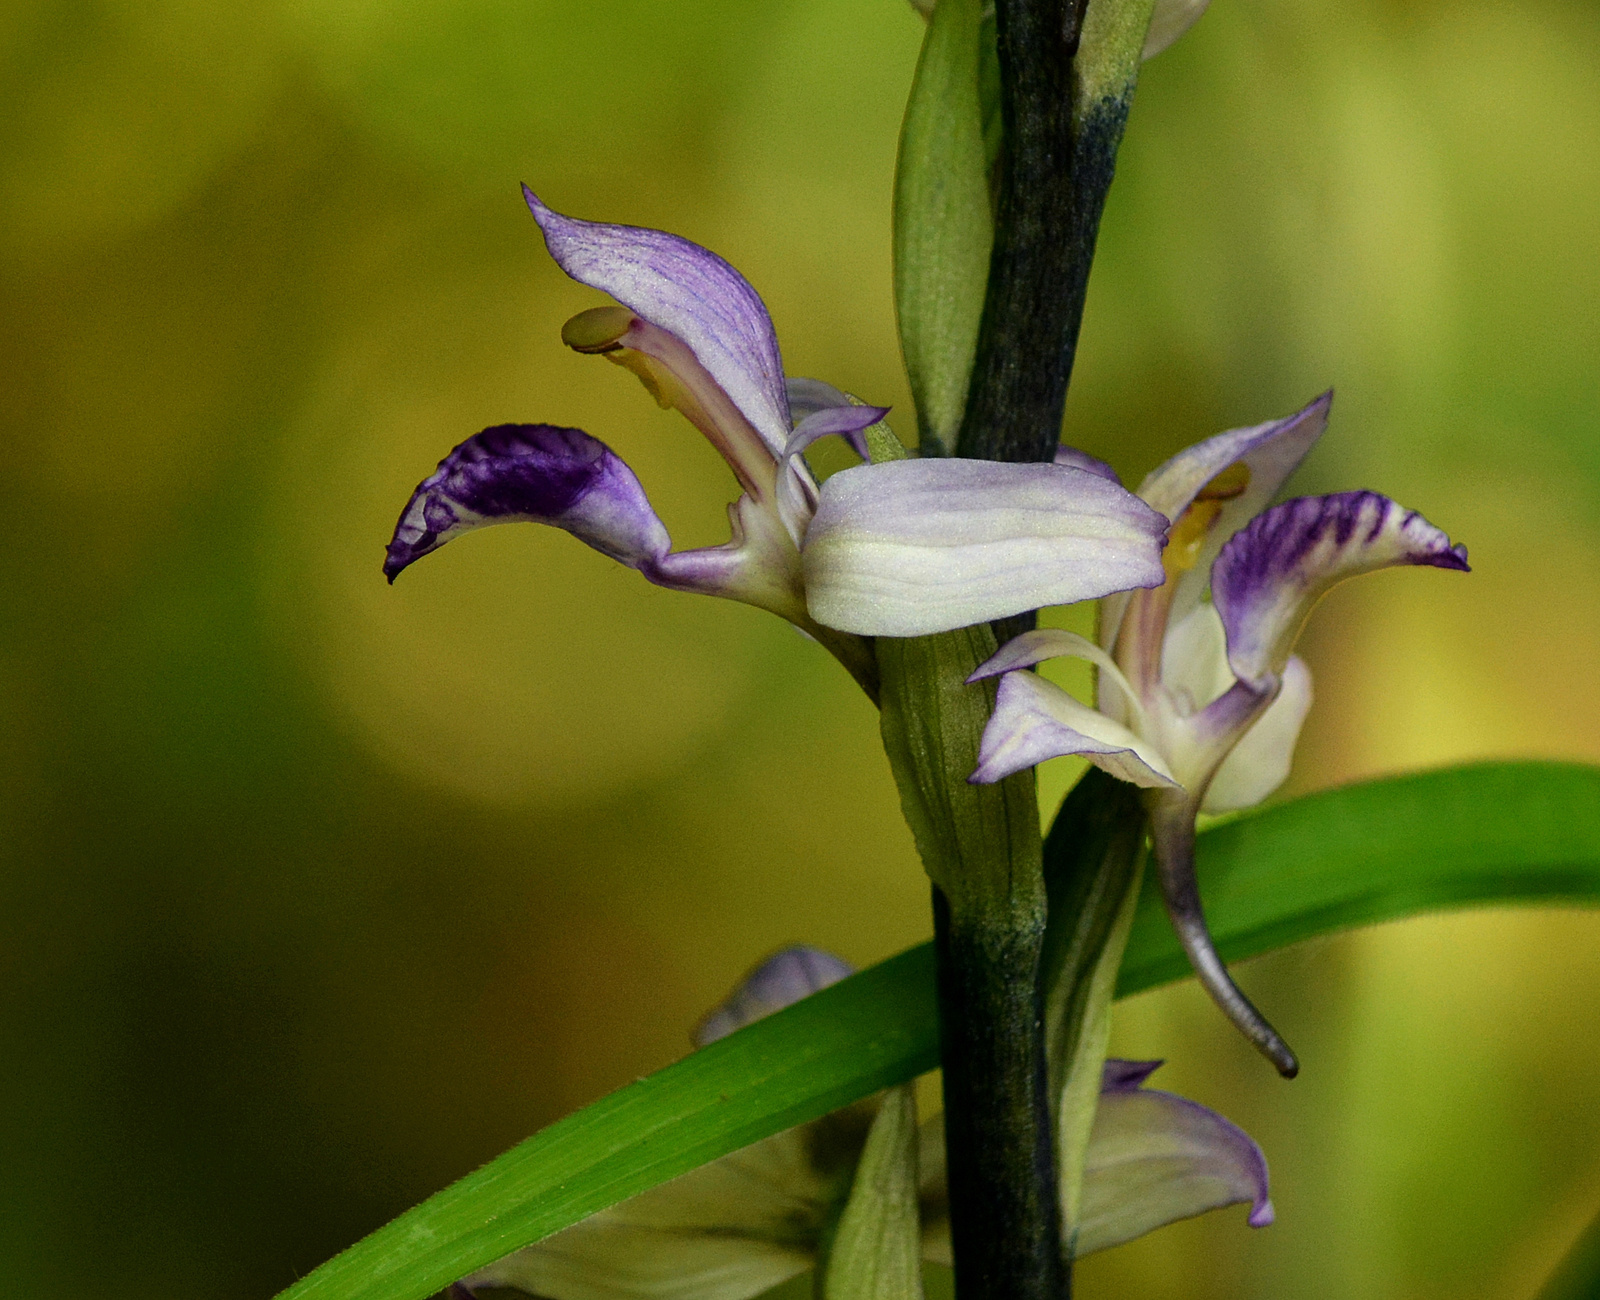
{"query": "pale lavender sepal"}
(809, 396)
(911, 547)
(689, 291)
(1075, 459)
(1270, 574)
(797, 489)
(1042, 643)
(1272, 451)
(847, 421)
(781, 980)
(1155, 1158)
(1034, 720)
(540, 473)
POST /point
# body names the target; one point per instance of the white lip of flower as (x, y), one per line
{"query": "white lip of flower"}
(743, 1224)
(1200, 701)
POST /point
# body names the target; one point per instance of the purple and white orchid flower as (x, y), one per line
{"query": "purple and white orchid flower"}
(753, 1219)
(1201, 701)
(700, 338)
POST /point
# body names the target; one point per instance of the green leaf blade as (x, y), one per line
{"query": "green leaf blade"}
(869, 1032)
(1495, 833)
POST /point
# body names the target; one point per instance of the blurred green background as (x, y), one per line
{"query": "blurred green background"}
(318, 893)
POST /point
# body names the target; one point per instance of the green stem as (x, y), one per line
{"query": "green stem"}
(981, 847)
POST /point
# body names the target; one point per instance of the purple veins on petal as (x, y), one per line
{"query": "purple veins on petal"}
(1270, 573)
(540, 473)
(781, 980)
(688, 290)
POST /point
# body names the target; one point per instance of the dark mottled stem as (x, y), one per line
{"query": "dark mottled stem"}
(1055, 173)
(1061, 129)
(1005, 1220)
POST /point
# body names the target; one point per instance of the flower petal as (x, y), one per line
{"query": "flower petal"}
(1270, 575)
(1155, 1158)
(688, 291)
(797, 490)
(1034, 720)
(808, 396)
(726, 1231)
(1171, 19)
(1043, 643)
(1123, 1076)
(1270, 451)
(531, 472)
(1260, 762)
(783, 979)
(916, 546)
(1075, 459)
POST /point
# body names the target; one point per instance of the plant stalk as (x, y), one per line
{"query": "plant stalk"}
(1005, 1220)
(1062, 126)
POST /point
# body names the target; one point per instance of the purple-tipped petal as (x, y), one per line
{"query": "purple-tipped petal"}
(1034, 720)
(1270, 574)
(1075, 459)
(1155, 1158)
(916, 546)
(688, 291)
(797, 490)
(809, 396)
(1123, 1076)
(781, 980)
(531, 472)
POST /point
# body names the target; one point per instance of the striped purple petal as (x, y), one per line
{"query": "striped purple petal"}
(539, 473)
(688, 291)
(783, 979)
(1269, 575)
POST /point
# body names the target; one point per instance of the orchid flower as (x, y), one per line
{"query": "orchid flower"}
(741, 1225)
(700, 338)
(1201, 701)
